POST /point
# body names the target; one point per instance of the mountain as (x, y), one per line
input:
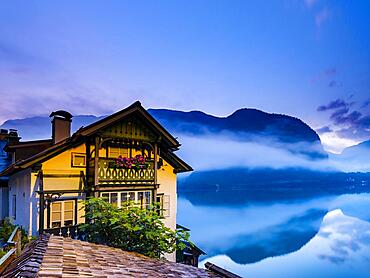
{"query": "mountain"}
(354, 158)
(359, 150)
(247, 121)
(39, 127)
(245, 125)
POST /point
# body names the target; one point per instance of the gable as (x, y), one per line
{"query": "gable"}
(132, 128)
(137, 111)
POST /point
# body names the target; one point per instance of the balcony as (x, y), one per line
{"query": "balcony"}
(110, 174)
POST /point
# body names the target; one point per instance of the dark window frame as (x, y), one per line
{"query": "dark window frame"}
(73, 154)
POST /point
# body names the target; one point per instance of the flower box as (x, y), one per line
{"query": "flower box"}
(137, 163)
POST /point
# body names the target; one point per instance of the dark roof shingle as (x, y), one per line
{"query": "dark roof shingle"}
(56, 256)
(29, 262)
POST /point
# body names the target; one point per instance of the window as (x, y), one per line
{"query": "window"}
(164, 205)
(78, 160)
(114, 199)
(62, 212)
(116, 152)
(111, 198)
(105, 196)
(68, 213)
(56, 215)
(14, 207)
(127, 197)
(142, 199)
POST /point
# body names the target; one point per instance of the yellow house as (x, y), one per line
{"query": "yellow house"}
(125, 156)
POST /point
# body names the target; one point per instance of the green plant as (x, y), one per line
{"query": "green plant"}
(130, 228)
(6, 229)
(2, 252)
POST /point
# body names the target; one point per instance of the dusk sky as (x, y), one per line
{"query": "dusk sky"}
(309, 59)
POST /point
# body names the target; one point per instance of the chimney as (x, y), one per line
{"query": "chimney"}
(3, 134)
(61, 125)
(11, 136)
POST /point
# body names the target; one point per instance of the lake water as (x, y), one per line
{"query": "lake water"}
(326, 236)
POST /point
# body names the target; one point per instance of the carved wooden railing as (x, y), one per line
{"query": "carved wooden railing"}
(109, 174)
(69, 231)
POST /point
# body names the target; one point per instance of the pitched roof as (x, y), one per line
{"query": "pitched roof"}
(29, 262)
(65, 257)
(76, 138)
(27, 149)
(135, 107)
(39, 157)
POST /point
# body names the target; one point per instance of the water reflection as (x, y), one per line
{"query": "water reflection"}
(321, 237)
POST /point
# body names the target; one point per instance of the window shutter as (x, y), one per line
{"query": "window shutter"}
(166, 205)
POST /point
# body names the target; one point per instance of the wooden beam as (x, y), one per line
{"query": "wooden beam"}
(87, 168)
(220, 271)
(60, 191)
(155, 171)
(42, 202)
(96, 164)
(62, 175)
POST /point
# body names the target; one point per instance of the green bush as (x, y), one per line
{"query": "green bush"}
(6, 229)
(130, 228)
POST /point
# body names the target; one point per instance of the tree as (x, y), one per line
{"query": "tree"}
(131, 228)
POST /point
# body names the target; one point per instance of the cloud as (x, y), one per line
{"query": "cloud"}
(335, 104)
(261, 152)
(332, 84)
(356, 126)
(353, 124)
(351, 118)
(334, 143)
(32, 85)
(366, 103)
(327, 75)
(324, 129)
(339, 115)
(322, 16)
(330, 71)
(310, 3)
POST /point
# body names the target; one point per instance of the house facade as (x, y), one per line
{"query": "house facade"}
(127, 156)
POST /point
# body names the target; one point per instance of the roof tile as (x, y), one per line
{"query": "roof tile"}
(64, 257)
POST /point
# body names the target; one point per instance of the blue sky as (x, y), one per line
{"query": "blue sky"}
(96, 57)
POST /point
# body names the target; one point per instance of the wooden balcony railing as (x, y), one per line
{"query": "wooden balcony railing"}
(70, 231)
(110, 174)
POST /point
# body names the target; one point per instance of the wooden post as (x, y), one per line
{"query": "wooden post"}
(87, 168)
(96, 162)
(155, 172)
(76, 208)
(18, 242)
(48, 214)
(42, 203)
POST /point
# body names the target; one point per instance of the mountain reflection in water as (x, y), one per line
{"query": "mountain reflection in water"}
(317, 237)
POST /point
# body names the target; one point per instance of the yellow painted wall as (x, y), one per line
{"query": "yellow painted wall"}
(167, 185)
(61, 164)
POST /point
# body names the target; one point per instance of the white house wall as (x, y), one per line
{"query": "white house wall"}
(19, 185)
(4, 205)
